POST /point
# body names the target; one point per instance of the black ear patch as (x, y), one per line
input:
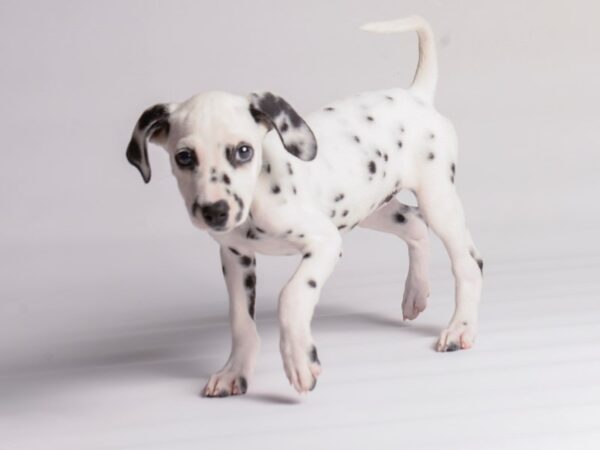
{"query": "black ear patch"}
(152, 124)
(295, 134)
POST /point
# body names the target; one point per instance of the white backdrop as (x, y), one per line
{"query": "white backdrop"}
(90, 255)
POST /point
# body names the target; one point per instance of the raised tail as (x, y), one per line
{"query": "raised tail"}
(425, 79)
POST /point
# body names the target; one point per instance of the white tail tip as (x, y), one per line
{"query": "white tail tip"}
(395, 26)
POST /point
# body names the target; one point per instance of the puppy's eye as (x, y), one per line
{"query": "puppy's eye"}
(185, 158)
(244, 153)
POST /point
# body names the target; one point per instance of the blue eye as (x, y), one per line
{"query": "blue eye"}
(185, 158)
(244, 153)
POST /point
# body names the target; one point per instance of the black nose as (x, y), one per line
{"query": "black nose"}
(215, 214)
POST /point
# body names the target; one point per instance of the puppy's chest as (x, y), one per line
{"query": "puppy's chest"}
(251, 238)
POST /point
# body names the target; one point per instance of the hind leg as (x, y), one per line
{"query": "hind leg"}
(443, 211)
(406, 222)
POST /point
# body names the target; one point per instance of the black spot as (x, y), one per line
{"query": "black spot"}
(314, 357)
(345, 213)
(293, 149)
(390, 98)
(289, 168)
(275, 189)
(341, 227)
(399, 217)
(307, 255)
(268, 168)
(453, 168)
(480, 264)
(452, 347)
(234, 251)
(372, 167)
(250, 281)
(251, 234)
(223, 269)
(294, 190)
(284, 127)
(357, 139)
(329, 108)
(213, 179)
(226, 179)
(431, 136)
(339, 197)
(312, 283)
(399, 144)
(243, 383)
(465, 323)
(246, 261)
(301, 235)
(332, 214)
(260, 230)
(385, 157)
(251, 302)
(152, 115)
(289, 232)
(354, 226)
(378, 153)
(370, 118)
(430, 156)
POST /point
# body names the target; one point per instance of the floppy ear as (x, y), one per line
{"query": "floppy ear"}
(295, 134)
(153, 125)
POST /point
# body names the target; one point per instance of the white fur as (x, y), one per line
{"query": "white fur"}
(307, 216)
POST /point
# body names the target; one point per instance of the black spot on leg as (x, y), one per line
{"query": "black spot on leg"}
(312, 283)
(289, 168)
(246, 261)
(385, 157)
(341, 227)
(378, 153)
(294, 190)
(389, 98)
(480, 264)
(251, 302)
(372, 167)
(329, 108)
(345, 213)
(399, 217)
(357, 139)
(399, 143)
(268, 168)
(332, 214)
(307, 255)
(314, 357)
(224, 271)
(260, 230)
(465, 323)
(234, 251)
(339, 197)
(243, 384)
(250, 281)
(431, 156)
(275, 189)
(370, 119)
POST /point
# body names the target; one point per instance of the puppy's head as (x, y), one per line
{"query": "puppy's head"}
(214, 141)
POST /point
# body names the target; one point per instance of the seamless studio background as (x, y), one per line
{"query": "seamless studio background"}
(113, 312)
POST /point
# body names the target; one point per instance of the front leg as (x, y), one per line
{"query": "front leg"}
(240, 277)
(321, 251)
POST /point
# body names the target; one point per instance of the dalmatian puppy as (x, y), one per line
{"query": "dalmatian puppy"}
(262, 179)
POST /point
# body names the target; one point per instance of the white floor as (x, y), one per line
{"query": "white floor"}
(115, 358)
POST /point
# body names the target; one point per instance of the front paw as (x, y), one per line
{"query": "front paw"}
(459, 335)
(301, 362)
(225, 383)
